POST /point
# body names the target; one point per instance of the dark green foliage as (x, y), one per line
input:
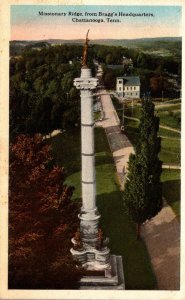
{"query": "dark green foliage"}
(42, 96)
(109, 79)
(143, 190)
(108, 54)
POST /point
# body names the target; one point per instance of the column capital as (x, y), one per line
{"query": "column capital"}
(85, 83)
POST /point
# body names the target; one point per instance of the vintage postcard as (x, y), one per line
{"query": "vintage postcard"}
(90, 149)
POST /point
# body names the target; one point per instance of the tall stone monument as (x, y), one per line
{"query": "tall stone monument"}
(90, 247)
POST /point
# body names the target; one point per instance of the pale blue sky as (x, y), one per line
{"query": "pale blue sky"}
(25, 20)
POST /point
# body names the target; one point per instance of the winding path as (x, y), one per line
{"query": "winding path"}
(162, 126)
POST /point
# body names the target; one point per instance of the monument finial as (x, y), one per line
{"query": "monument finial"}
(85, 51)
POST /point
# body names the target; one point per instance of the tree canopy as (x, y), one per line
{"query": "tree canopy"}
(41, 89)
(42, 219)
(42, 96)
(142, 195)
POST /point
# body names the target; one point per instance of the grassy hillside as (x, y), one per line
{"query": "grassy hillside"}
(170, 145)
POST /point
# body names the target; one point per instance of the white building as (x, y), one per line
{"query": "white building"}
(128, 87)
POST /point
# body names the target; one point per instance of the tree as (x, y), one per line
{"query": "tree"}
(42, 219)
(142, 196)
(109, 78)
(156, 85)
(40, 83)
(109, 58)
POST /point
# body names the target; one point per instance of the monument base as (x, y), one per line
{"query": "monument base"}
(100, 282)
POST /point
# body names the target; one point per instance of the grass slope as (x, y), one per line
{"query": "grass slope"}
(170, 151)
(171, 189)
(169, 154)
(116, 224)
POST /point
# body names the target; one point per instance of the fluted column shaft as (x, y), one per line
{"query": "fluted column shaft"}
(93, 254)
(87, 149)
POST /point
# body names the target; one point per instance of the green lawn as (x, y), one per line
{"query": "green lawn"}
(170, 151)
(116, 224)
(170, 115)
(131, 130)
(169, 133)
(170, 142)
(174, 101)
(66, 151)
(168, 118)
(171, 189)
(169, 107)
(166, 101)
(170, 146)
(169, 154)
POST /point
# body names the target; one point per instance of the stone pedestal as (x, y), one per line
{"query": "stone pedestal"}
(99, 282)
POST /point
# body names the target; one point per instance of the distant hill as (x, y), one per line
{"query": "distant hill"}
(115, 42)
(130, 43)
(142, 43)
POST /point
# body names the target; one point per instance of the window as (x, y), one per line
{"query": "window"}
(119, 81)
(136, 94)
(127, 88)
(131, 88)
(131, 94)
(134, 88)
(120, 89)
